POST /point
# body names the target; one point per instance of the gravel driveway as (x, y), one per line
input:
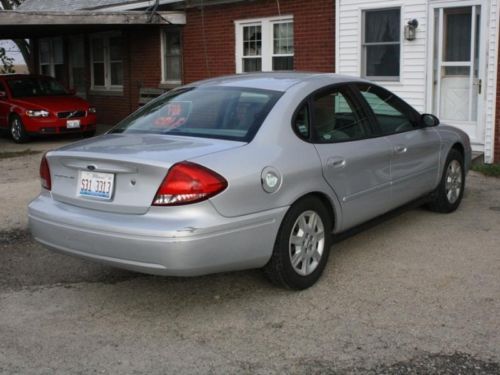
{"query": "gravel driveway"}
(419, 293)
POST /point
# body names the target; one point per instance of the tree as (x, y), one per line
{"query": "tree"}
(22, 44)
(7, 65)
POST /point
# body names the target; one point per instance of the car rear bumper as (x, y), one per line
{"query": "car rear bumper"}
(159, 242)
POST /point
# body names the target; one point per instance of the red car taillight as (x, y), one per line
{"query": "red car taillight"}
(45, 174)
(188, 183)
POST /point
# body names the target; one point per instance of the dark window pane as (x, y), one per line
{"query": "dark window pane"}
(458, 34)
(115, 49)
(173, 40)
(117, 74)
(252, 41)
(45, 70)
(59, 72)
(97, 50)
(283, 38)
(283, 63)
(98, 74)
(252, 65)
(382, 25)
(173, 68)
(382, 60)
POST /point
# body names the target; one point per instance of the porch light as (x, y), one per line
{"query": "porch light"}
(411, 29)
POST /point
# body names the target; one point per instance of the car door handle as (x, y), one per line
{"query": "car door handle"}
(400, 149)
(337, 162)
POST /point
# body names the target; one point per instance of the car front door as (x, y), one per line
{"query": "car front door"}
(356, 165)
(415, 148)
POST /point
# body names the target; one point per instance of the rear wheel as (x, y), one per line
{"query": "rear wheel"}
(450, 191)
(302, 245)
(17, 131)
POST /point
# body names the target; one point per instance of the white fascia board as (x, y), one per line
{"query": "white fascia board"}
(138, 5)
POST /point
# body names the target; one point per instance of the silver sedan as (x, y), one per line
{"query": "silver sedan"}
(246, 171)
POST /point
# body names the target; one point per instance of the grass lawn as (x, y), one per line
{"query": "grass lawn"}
(488, 169)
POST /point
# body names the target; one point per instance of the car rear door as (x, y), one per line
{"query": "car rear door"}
(356, 165)
(415, 148)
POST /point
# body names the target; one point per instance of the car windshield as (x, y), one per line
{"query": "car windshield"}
(212, 112)
(35, 86)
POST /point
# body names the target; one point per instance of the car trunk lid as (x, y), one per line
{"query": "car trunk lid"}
(137, 162)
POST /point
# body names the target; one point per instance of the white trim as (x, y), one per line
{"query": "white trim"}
(267, 52)
(138, 5)
(490, 157)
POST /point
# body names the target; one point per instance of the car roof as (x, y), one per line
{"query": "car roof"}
(277, 81)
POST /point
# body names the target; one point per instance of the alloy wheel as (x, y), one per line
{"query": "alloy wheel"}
(307, 243)
(453, 183)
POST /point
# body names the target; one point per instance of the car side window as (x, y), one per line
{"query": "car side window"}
(393, 115)
(336, 118)
(2, 88)
(301, 122)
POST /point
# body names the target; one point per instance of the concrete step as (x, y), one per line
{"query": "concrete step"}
(477, 158)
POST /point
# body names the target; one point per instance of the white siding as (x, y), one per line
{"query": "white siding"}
(415, 55)
(491, 80)
(411, 86)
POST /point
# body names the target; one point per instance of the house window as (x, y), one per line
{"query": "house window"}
(381, 44)
(172, 56)
(107, 62)
(264, 45)
(51, 58)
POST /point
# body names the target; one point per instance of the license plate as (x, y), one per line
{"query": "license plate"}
(72, 124)
(95, 184)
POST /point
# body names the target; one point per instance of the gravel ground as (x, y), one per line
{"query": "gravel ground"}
(416, 294)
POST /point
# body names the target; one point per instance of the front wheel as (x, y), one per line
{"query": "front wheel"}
(450, 191)
(302, 246)
(17, 131)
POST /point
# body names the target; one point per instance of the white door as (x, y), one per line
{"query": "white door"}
(458, 59)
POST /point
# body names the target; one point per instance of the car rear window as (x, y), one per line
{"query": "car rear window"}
(212, 112)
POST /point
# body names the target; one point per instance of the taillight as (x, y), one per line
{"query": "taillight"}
(188, 183)
(45, 174)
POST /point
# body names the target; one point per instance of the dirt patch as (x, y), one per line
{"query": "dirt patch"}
(16, 154)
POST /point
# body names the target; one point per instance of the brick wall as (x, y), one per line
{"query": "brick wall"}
(314, 35)
(141, 68)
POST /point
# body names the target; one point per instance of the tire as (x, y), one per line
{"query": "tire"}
(448, 195)
(287, 267)
(17, 131)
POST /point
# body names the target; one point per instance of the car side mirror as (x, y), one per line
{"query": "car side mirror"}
(3, 95)
(429, 120)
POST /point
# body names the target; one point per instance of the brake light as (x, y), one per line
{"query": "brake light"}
(188, 183)
(45, 174)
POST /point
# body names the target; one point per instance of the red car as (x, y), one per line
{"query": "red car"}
(31, 104)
